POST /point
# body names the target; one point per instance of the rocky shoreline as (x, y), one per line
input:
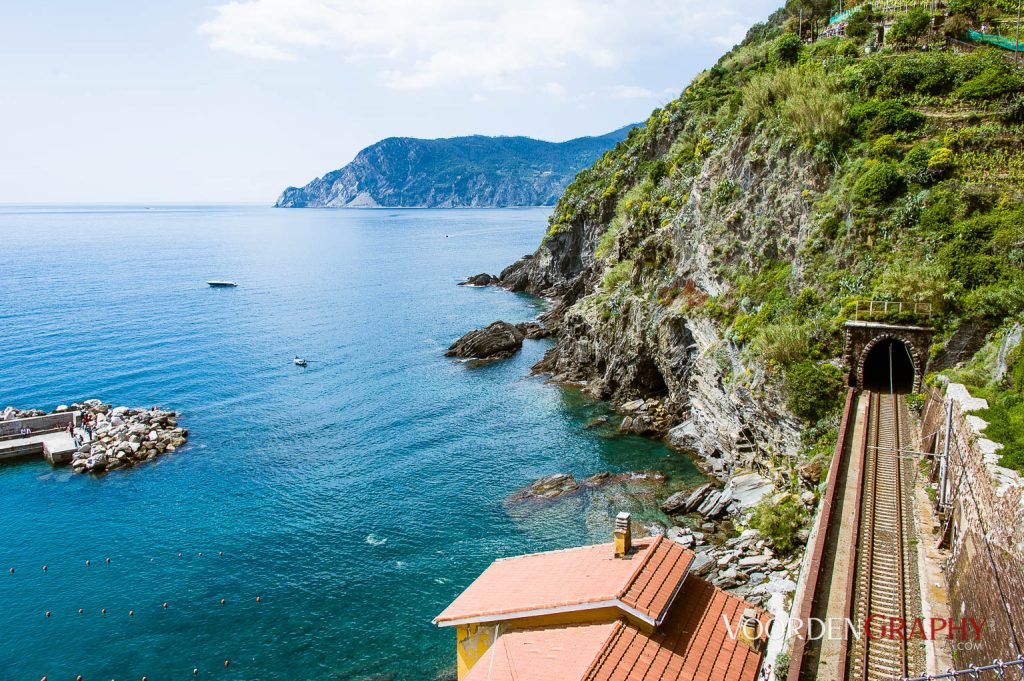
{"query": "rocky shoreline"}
(704, 520)
(118, 437)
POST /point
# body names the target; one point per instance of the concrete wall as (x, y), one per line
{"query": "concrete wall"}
(32, 450)
(983, 529)
(36, 423)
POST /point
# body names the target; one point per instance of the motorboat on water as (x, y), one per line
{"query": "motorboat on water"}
(217, 283)
(298, 361)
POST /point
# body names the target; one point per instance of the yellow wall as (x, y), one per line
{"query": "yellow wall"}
(473, 640)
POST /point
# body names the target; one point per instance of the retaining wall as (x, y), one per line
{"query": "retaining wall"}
(983, 523)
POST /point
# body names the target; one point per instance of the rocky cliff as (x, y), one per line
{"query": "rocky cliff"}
(709, 261)
(458, 172)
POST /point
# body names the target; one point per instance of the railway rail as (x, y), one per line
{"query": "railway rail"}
(885, 566)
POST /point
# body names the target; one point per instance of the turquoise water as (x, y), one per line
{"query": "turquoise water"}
(356, 497)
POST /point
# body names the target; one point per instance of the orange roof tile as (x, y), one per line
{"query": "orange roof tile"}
(692, 643)
(580, 578)
(653, 588)
(538, 654)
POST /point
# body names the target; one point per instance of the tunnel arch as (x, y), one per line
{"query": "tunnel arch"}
(889, 354)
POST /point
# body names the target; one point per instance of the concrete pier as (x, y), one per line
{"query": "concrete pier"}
(47, 437)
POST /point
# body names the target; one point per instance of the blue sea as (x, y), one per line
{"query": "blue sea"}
(355, 497)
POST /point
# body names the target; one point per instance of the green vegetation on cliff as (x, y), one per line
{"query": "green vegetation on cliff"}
(907, 184)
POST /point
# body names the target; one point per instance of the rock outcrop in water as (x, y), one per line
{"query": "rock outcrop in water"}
(499, 340)
(121, 437)
(482, 279)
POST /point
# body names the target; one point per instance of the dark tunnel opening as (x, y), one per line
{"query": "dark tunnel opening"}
(889, 368)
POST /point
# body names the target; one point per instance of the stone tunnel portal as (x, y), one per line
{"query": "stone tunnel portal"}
(889, 367)
(882, 356)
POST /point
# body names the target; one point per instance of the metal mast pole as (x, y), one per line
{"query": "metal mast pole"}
(944, 462)
(1016, 54)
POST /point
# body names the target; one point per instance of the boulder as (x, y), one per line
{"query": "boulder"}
(500, 340)
(754, 561)
(534, 330)
(710, 502)
(641, 424)
(633, 406)
(810, 473)
(747, 489)
(684, 502)
(482, 279)
(687, 437)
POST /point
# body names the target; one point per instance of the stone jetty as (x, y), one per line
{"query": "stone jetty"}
(121, 437)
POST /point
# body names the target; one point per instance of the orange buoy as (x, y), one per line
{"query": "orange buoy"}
(47, 613)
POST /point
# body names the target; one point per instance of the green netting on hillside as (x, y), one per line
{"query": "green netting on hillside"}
(842, 16)
(996, 40)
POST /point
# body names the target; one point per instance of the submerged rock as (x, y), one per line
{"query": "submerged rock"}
(499, 340)
(548, 488)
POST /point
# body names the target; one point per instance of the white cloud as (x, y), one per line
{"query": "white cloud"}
(494, 43)
(555, 89)
(630, 92)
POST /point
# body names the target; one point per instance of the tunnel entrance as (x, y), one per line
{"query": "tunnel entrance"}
(889, 367)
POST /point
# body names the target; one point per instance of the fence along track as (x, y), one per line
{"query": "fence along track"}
(885, 582)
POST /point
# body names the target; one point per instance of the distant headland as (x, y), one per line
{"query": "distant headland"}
(456, 172)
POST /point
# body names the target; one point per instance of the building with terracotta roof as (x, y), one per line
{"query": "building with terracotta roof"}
(621, 611)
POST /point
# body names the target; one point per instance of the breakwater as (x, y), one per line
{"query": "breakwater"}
(92, 436)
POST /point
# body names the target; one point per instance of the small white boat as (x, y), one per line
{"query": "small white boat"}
(216, 283)
(298, 361)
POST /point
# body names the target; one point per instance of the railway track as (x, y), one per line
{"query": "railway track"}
(885, 567)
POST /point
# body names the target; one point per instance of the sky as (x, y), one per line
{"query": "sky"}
(207, 101)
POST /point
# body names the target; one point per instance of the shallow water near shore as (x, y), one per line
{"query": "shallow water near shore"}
(356, 497)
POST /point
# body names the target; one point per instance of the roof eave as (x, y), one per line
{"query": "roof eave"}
(540, 612)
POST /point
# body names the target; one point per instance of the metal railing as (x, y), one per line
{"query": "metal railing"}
(998, 668)
(884, 307)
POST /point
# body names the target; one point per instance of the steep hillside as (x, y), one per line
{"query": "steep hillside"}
(457, 172)
(710, 259)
